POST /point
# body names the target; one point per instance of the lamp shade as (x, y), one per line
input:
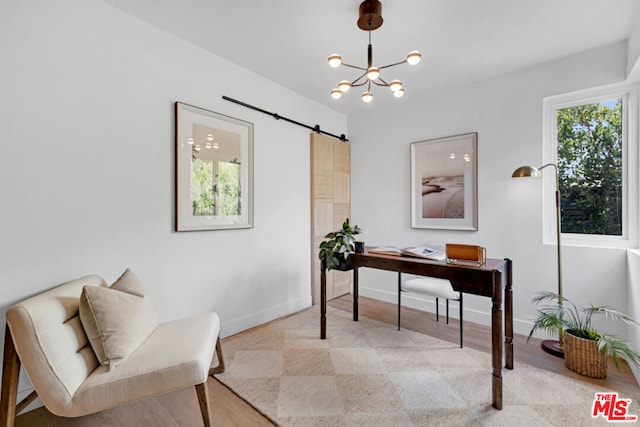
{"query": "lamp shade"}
(398, 93)
(414, 57)
(526, 171)
(373, 73)
(335, 60)
(344, 86)
(395, 85)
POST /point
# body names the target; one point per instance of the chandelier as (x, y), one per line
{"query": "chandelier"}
(370, 19)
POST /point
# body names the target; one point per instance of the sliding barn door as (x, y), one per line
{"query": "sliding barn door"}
(330, 206)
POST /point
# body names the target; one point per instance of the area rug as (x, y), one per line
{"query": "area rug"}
(368, 373)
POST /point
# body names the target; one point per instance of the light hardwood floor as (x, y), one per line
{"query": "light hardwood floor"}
(177, 409)
(181, 408)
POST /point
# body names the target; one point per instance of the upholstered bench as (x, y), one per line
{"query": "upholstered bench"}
(46, 334)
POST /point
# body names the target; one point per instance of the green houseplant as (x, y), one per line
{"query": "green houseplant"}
(339, 244)
(559, 315)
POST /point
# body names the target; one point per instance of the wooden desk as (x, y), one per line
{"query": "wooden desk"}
(488, 280)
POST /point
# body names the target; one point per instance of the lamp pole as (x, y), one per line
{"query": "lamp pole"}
(550, 346)
(553, 347)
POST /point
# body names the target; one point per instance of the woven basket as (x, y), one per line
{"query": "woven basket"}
(582, 356)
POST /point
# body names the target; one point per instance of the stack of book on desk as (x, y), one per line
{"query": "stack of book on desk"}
(415, 251)
(472, 255)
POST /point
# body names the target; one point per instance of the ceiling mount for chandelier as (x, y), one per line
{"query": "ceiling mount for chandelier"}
(370, 18)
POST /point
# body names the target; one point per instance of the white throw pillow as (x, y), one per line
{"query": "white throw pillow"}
(117, 319)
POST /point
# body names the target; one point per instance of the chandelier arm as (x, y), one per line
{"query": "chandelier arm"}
(382, 82)
(355, 82)
(392, 65)
(358, 84)
(354, 66)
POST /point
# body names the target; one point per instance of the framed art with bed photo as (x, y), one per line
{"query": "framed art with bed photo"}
(444, 183)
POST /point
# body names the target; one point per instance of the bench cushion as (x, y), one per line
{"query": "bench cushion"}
(177, 354)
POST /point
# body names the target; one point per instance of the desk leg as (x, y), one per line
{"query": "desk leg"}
(323, 301)
(355, 294)
(496, 341)
(508, 323)
(399, 296)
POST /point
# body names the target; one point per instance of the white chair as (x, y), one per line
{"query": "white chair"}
(45, 335)
(433, 287)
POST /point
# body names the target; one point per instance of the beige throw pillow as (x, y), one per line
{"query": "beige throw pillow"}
(117, 319)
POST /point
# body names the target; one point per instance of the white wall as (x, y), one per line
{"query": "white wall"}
(507, 114)
(633, 289)
(633, 54)
(86, 166)
(86, 170)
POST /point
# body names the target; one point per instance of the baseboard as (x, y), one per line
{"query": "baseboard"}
(233, 326)
(429, 305)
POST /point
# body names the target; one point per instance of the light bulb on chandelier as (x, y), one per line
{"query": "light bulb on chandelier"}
(370, 18)
(373, 73)
(344, 86)
(335, 60)
(413, 57)
(395, 85)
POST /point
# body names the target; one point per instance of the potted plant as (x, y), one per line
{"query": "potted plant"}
(585, 350)
(340, 244)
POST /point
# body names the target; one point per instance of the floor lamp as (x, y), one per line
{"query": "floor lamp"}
(550, 346)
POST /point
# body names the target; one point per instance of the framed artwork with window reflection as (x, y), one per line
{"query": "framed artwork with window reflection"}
(214, 170)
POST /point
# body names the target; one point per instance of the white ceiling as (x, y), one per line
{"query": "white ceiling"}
(288, 41)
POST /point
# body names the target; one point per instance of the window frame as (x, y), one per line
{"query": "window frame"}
(630, 163)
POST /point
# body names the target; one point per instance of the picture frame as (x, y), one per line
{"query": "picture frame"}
(213, 170)
(444, 183)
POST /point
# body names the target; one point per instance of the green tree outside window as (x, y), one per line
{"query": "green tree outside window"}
(215, 188)
(228, 188)
(202, 187)
(590, 168)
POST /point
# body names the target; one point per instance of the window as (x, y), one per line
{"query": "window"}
(592, 137)
(589, 138)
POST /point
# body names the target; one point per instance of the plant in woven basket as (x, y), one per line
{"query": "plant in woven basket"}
(339, 244)
(560, 314)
